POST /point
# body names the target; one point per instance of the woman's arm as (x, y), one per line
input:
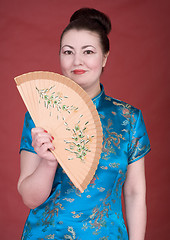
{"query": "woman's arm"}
(37, 170)
(135, 200)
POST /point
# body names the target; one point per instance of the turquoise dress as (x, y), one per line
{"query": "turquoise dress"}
(95, 214)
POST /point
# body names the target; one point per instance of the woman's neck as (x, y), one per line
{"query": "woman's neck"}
(93, 91)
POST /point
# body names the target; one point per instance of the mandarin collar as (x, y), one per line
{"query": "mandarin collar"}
(98, 99)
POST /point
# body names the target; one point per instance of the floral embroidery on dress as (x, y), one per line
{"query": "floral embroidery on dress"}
(50, 212)
(111, 140)
(50, 236)
(71, 235)
(76, 215)
(96, 220)
(69, 199)
(120, 181)
(73, 189)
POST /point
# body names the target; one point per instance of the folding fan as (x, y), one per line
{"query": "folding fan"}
(64, 109)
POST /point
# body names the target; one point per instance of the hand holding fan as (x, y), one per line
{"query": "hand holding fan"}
(64, 109)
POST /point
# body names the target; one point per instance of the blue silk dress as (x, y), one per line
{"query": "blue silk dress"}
(95, 214)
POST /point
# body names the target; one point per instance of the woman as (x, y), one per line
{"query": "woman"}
(58, 210)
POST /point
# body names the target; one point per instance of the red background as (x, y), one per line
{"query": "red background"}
(137, 72)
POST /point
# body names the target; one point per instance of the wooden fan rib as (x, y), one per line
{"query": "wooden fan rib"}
(34, 103)
(89, 158)
(95, 142)
(71, 119)
(41, 84)
(77, 91)
(26, 95)
(35, 100)
(72, 177)
(20, 79)
(80, 179)
(84, 169)
(90, 130)
(67, 170)
(88, 163)
(72, 85)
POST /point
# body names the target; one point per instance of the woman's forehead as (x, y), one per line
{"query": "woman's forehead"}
(80, 37)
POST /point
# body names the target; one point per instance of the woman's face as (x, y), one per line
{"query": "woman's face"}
(81, 58)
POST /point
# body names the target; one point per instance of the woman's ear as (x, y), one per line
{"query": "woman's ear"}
(105, 58)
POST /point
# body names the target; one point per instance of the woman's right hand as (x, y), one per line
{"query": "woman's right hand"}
(42, 143)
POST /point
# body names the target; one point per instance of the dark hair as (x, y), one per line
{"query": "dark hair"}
(92, 20)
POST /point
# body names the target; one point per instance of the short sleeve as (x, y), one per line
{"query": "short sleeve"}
(139, 142)
(26, 139)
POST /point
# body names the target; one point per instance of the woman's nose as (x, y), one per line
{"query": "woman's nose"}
(78, 59)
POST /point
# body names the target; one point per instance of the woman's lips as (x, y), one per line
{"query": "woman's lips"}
(79, 71)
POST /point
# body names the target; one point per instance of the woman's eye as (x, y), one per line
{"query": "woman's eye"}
(88, 52)
(68, 52)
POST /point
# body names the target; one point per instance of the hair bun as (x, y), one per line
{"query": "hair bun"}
(93, 14)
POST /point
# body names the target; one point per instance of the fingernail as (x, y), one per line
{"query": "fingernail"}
(45, 131)
(52, 137)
